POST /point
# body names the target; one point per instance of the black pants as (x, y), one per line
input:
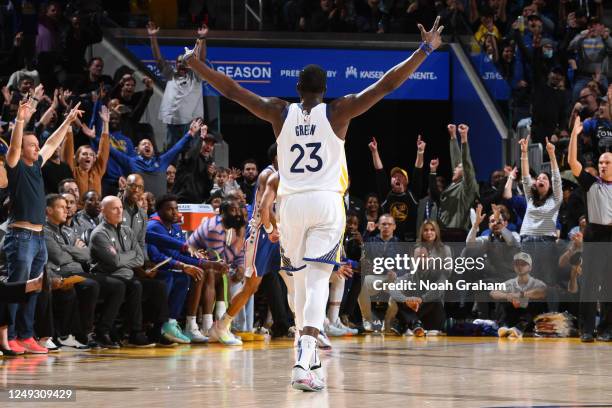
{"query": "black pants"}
(596, 261)
(521, 318)
(276, 299)
(112, 293)
(351, 294)
(431, 314)
(74, 310)
(150, 293)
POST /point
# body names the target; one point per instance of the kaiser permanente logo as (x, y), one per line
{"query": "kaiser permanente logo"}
(252, 72)
(352, 72)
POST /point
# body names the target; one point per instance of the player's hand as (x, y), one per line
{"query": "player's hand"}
(196, 273)
(434, 36)
(345, 271)
(274, 236)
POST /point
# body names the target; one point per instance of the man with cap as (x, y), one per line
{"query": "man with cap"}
(401, 202)
(196, 169)
(518, 298)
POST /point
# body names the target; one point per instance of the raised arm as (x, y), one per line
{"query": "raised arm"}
(67, 152)
(268, 109)
(556, 176)
(469, 173)
(14, 150)
(455, 152)
(104, 146)
(57, 137)
(572, 159)
(507, 195)
(373, 145)
(345, 108)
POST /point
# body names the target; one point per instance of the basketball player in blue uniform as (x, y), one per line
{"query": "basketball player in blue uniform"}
(312, 180)
(262, 255)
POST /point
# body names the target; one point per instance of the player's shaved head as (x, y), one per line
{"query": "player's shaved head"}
(313, 79)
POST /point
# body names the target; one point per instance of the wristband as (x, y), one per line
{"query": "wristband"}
(18, 121)
(269, 231)
(426, 48)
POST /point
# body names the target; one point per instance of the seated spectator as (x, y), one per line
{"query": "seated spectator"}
(89, 217)
(499, 247)
(90, 166)
(70, 256)
(149, 203)
(456, 200)
(195, 170)
(69, 185)
(153, 167)
(223, 235)
(224, 182)
(401, 202)
(71, 210)
(386, 225)
(116, 253)
(420, 309)
(518, 307)
(179, 272)
(170, 177)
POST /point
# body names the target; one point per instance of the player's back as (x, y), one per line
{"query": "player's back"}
(310, 156)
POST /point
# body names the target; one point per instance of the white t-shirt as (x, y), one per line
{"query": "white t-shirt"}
(183, 98)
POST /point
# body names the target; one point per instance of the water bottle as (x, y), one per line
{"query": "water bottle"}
(521, 21)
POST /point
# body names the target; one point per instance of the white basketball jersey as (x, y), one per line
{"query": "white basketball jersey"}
(310, 155)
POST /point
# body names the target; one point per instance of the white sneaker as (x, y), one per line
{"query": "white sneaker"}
(195, 335)
(433, 333)
(323, 341)
(347, 330)
(305, 380)
(333, 331)
(408, 332)
(72, 342)
(515, 333)
(223, 335)
(49, 345)
(368, 327)
(503, 331)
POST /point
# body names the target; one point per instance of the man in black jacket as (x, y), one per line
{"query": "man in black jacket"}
(195, 170)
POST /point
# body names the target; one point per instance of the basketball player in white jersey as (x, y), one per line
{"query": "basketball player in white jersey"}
(313, 178)
(261, 254)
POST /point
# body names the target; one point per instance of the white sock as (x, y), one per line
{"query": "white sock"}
(219, 309)
(208, 322)
(226, 320)
(335, 298)
(172, 321)
(306, 348)
(190, 323)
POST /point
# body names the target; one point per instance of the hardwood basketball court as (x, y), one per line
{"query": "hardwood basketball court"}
(362, 371)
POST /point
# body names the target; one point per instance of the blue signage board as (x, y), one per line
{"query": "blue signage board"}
(275, 71)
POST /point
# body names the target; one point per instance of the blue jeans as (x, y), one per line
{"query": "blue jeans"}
(26, 256)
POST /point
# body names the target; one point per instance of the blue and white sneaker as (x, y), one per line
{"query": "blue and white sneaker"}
(223, 335)
(172, 331)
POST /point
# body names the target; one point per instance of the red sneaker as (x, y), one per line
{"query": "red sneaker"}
(32, 347)
(16, 347)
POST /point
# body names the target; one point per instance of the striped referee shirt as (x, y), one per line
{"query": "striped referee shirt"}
(542, 220)
(211, 235)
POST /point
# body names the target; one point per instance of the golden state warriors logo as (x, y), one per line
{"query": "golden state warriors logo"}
(399, 211)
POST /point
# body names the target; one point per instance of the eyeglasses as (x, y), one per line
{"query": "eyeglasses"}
(585, 96)
(137, 187)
